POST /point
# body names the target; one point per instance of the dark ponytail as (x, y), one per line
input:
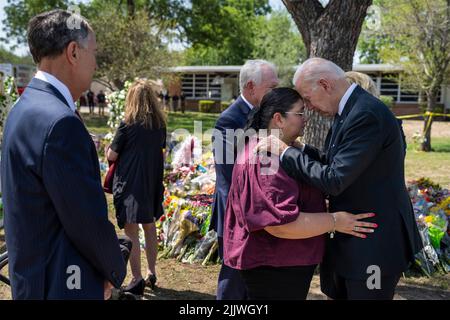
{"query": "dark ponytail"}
(276, 100)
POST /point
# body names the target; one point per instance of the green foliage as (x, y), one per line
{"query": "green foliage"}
(420, 30)
(8, 96)
(128, 46)
(222, 32)
(19, 12)
(8, 57)
(413, 34)
(215, 32)
(205, 105)
(388, 101)
(224, 105)
(369, 47)
(278, 40)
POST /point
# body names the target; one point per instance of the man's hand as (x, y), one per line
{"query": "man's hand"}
(108, 289)
(270, 144)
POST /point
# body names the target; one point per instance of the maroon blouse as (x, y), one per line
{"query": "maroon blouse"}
(257, 200)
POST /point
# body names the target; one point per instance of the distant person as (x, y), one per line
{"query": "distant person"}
(175, 100)
(90, 97)
(166, 101)
(183, 102)
(101, 99)
(82, 100)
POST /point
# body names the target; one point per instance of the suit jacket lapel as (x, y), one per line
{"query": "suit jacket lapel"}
(245, 110)
(337, 125)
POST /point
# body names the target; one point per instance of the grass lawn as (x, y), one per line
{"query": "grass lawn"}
(434, 165)
(186, 121)
(176, 120)
(96, 124)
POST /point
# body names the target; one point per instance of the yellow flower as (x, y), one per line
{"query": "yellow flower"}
(428, 219)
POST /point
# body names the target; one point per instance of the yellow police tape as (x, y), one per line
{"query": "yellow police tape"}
(432, 114)
(426, 114)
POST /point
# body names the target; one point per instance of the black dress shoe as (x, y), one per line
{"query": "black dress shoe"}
(151, 281)
(119, 294)
(137, 288)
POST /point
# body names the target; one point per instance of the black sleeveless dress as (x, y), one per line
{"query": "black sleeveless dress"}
(138, 180)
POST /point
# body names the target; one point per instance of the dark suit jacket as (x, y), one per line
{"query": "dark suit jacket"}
(234, 117)
(55, 209)
(363, 171)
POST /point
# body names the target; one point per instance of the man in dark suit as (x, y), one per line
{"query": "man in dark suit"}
(60, 242)
(255, 79)
(362, 170)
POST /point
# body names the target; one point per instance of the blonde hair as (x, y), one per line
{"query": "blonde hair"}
(362, 80)
(142, 106)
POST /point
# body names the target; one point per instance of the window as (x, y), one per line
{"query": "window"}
(389, 86)
(201, 86)
(187, 85)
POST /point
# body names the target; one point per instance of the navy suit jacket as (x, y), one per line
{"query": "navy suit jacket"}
(234, 117)
(362, 170)
(56, 217)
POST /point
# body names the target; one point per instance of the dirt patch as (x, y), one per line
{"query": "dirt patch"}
(439, 129)
(178, 281)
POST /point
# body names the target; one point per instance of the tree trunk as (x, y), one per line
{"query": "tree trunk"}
(331, 33)
(426, 142)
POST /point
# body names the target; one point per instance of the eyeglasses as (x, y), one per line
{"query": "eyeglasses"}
(296, 113)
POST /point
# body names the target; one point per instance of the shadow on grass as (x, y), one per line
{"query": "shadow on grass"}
(422, 292)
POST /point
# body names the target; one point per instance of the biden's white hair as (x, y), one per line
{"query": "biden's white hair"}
(317, 68)
(252, 70)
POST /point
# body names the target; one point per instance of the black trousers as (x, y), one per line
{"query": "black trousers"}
(278, 283)
(340, 288)
(230, 285)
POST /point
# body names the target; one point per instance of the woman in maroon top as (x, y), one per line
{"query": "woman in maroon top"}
(274, 226)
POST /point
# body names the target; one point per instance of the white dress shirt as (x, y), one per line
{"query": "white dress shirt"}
(345, 98)
(61, 87)
(248, 103)
(342, 104)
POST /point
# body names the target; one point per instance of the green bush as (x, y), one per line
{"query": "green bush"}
(224, 105)
(437, 108)
(205, 105)
(388, 101)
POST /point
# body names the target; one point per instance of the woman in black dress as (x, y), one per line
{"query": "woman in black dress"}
(138, 180)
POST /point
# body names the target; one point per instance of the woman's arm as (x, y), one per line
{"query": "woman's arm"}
(309, 225)
(111, 155)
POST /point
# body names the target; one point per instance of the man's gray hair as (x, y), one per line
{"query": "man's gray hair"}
(252, 70)
(316, 68)
(50, 32)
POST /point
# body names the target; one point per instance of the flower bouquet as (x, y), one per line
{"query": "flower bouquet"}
(431, 205)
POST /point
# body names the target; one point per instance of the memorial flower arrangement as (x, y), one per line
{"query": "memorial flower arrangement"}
(431, 205)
